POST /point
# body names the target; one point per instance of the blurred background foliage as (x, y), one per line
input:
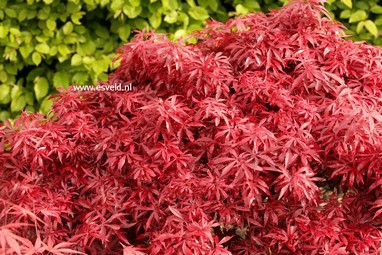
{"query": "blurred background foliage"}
(47, 44)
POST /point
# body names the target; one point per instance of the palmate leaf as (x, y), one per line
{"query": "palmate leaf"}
(130, 250)
(20, 211)
(11, 240)
(40, 247)
(377, 205)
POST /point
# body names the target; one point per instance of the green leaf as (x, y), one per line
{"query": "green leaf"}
(377, 9)
(371, 27)
(3, 31)
(87, 48)
(31, 14)
(13, 56)
(15, 31)
(362, 5)
(41, 87)
(100, 66)
(51, 24)
(155, 20)
(241, 9)
(198, 13)
(20, 82)
(170, 4)
(252, 4)
(124, 32)
(18, 103)
(131, 11)
(194, 27)
(4, 92)
(203, 3)
(116, 5)
(88, 60)
(53, 51)
(180, 33)
(191, 3)
(61, 80)
(63, 49)
(365, 36)
(76, 60)
(102, 32)
(62, 59)
(46, 105)
(358, 16)
(90, 5)
(118, 14)
(73, 7)
(185, 19)
(4, 115)
(11, 13)
(81, 30)
(135, 3)
(22, 15)
(5, 100)
(29, 108)
(171, 17)
(140, 23)
(360, 26)
(36, 58)
(16, 91)
(102, 77)
(154, 7)
(348, 3)
(11, 68)
(3, 76)
(44, 12)
(345, 14)
(67, 28)
(34, 73)
(29, 97)
(75, 17)
(104, 2)
(378, 21)
(80, 78)
(42, 48)
(213, 4)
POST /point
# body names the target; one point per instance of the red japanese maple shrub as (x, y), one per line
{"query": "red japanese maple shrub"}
(264, 137)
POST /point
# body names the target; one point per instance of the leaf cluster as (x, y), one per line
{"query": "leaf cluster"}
(363, 19)
(48, 44)
(263, 137)
(51, 44)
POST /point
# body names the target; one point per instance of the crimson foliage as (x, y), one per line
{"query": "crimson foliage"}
(265, 137)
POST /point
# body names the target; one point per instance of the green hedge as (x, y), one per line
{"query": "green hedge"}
(49, 44)
(362, 18)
